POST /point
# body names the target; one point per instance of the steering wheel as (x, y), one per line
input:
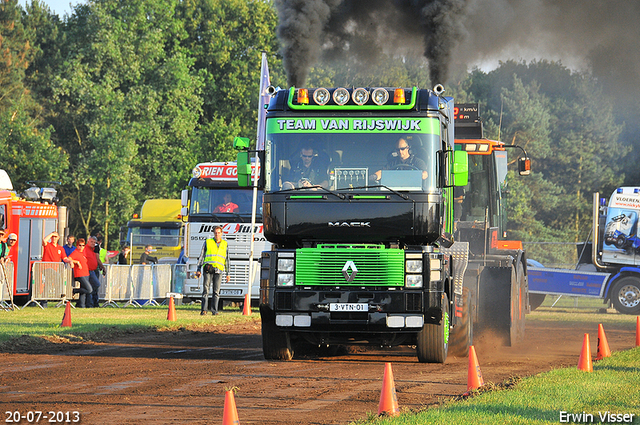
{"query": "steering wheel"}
(405, 167)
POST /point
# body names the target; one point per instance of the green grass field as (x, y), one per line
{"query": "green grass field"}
(100, 323)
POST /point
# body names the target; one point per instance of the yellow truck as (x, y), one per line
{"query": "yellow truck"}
(159, 225)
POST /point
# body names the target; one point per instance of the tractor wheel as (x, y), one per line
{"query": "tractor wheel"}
(625, 295)
(518, 307)
(433, 340)
(462, 333)
(276, 344)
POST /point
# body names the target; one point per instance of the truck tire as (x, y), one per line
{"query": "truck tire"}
(462, 334)
(518, 307)
(625, 295)
(432, 344)
(621, 241)
(276, 344)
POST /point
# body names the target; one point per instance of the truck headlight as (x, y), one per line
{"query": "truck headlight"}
(414, 266)
(285, 279)
(285, 264)
(413, 281)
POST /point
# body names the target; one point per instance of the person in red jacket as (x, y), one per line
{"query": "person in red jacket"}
(81, 274)
(52, 252)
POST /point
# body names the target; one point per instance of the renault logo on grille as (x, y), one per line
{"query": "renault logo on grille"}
(349, 265)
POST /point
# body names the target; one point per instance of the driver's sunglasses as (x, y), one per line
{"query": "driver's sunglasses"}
(402, 149)
(307, 156)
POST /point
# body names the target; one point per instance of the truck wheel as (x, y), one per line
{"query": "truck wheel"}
(432, 345)
(462, 334)
(276, 344)
(536, 300)
(625, 295)
(620, 242)
(518, 297)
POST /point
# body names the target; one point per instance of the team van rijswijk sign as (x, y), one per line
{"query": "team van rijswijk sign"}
(354, 125)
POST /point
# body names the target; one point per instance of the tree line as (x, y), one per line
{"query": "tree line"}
(120, 99)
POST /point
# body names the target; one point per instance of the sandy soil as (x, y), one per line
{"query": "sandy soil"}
(181, 377)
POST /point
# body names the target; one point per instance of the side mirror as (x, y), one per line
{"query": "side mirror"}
(460, 168)
(184, 198)
(524, 166)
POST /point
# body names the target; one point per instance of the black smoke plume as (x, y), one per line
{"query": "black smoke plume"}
(308, 28)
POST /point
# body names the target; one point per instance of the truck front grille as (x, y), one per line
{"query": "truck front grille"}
(363, 266)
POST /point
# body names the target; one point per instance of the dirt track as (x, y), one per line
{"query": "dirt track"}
(180, 377)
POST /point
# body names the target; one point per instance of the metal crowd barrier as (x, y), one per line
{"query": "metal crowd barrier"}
(50, 282)
(137, 285)
(6, 282)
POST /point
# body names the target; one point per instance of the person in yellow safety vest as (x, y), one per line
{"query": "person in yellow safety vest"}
(213, 261)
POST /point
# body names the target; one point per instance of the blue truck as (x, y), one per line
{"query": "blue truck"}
(615, 255)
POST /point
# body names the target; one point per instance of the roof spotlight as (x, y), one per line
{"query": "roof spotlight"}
(321, 96)
(380, 96)
(341, 96)
(360, 96)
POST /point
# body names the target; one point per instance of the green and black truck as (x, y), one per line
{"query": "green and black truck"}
(359, 206)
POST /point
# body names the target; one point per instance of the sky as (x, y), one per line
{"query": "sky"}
(59, 7)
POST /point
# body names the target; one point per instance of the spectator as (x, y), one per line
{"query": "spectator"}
(81, 274)
(145, 258)
(124, 254)
(69, 247)
(91, 252)
(5, 247)
(103, 251)
(53, 253)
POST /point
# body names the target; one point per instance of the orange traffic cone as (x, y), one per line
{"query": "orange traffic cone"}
(230, 414)
(246, 310)
(474, 379)
(585, 356)
(171, 315)
(388, 400)
(603, 345)
(66, 318)
(637, 331)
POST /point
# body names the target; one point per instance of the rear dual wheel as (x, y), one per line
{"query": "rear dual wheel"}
(518, 299)
(462, 334)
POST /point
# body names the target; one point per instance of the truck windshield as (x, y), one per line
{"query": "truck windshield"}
(156, 236)
(228, 204)
(352, 153)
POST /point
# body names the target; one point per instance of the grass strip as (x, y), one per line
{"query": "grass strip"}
(559, 396)
(99, 324)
